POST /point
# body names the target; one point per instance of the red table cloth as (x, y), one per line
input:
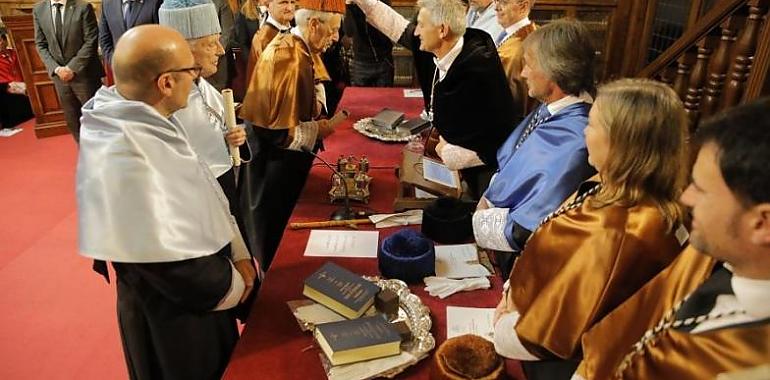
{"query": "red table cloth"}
(272, 345)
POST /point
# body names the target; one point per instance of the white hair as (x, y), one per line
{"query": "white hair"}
(448, 12)
(302, 16)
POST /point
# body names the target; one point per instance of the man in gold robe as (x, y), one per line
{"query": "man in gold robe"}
(513, 16)
(709, 311)
(282, 105)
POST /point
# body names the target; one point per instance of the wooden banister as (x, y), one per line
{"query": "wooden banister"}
(721, 62)
(704, 26)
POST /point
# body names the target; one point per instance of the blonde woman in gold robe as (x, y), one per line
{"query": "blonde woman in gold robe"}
(709, 312)
(611, 237)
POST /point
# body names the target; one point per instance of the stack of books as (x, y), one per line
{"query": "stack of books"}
(350, 295)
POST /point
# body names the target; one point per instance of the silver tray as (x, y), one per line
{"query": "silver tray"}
(417, 317)
(368, 129)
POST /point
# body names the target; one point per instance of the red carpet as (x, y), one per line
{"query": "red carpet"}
(58, 317)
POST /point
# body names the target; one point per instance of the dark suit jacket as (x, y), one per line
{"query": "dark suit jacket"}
(79, 48)
(111, 26)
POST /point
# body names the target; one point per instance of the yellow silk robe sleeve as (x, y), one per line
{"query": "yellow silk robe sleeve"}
(259, 42)
(580, 266)
(281, 93)
(512, 57)
(674, 354)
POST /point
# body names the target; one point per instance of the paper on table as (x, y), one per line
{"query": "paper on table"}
(370, 368)
(412, 93)
(317, 314)
(439, 173)
(398, 219)
(459, 261)
(332, 243)
(470, 320)
(422, 194)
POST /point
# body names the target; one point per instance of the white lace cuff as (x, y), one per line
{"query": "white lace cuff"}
(384, 18)
(489, 228)
(320, 95)
(237, 244)
(235, 293)
(456, 157)
(305, 135)
(507, 342)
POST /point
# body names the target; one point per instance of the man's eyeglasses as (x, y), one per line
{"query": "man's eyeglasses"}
(194, 71)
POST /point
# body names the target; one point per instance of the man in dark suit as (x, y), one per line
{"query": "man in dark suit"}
(66, 37)
(121, 15)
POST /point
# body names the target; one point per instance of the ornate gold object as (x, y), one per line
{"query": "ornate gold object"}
(357, 179)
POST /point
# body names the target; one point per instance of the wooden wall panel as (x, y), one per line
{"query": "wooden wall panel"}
(49, 119)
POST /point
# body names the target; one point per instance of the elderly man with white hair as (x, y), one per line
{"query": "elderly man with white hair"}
(283, 104)
(203, 120)
(462, 79)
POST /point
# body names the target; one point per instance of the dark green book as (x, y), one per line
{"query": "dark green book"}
(340, 290)
(357, 340)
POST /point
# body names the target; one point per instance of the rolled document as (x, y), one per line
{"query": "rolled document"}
(338, 117)
(229, 106)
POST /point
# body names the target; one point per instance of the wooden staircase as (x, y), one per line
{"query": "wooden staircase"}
(721, 61)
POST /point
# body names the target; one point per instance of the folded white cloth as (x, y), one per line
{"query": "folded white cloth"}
(445, 287)
(18, 88)
(399, 219)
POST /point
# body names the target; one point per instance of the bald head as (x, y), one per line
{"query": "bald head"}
(153, 64)
(145, 51)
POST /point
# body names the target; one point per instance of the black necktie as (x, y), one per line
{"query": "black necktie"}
(129, 13)
(704, 298)
(58, 25)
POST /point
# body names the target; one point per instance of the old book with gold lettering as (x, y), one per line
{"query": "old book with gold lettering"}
(358, 340)
(340, 290)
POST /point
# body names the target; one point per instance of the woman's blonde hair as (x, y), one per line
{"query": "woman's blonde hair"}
(249, 9)
(647, 159)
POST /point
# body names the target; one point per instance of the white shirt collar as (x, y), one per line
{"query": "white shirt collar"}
(511, 30)
(753, 295)
(567, 101)
(273, 22)
(295, 31)
(63, 2)
(445, 63)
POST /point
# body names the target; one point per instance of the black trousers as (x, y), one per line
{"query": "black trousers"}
(270, 187)
(15, 108)
(549, 369)
(169, 332)
(72, 96)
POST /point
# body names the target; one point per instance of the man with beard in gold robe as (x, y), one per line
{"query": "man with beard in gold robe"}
(282, 105)
(709, 311)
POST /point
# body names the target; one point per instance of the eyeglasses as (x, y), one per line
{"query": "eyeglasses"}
(194, 71)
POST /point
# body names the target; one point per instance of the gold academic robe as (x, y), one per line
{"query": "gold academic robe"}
(674, 354)
(259, 42)
(579, 266)
(281, 93)
(512, 57)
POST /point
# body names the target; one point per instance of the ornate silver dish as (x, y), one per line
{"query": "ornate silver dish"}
(417, 317)
(368, 129)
